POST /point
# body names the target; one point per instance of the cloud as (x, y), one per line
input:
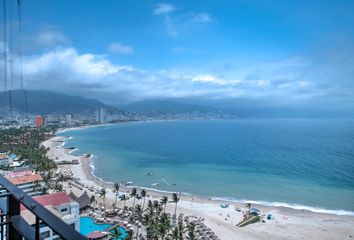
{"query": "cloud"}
(50, 37)
(323, 78)
(118, 48)
(208, 78)
(163, 8)
(203, 17)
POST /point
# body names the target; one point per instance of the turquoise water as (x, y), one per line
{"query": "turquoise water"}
(306, 164)
(87, 225)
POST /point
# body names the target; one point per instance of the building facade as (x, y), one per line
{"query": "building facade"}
(30, 183)
(61, 205)
(39, 120)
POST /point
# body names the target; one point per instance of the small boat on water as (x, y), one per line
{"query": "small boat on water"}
(149, 173)
(155, 184)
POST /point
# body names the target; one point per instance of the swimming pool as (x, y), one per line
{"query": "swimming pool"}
(123, 232)
(87, 225)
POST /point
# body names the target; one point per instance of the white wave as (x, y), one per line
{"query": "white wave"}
(73, 150)
(289, 205)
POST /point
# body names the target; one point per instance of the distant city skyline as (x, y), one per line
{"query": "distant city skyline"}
(249, 53)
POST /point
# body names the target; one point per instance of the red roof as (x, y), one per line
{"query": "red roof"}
(26, 179)
(53, 199)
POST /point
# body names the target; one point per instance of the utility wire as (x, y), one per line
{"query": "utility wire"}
(19, 14)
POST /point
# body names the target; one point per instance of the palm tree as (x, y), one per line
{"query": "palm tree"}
(175, 199)
(58, 187)
(180, 230)
(115, 234)
(47, 178)
(150, 208)
(143, 194)
(61, 179)
(174, 234)
(103, 195)
(133, 194)
(164, 225)
(116, 190)
(191, 231)
(164, 201)
(92, 199)
(138, 212)
(130, 235)
(124, 199)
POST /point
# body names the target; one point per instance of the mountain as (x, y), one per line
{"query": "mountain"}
(166, 106)
(45, 102)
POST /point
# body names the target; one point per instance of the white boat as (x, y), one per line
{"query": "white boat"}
(155, 184)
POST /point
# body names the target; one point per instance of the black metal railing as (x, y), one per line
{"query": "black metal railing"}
(13, 226)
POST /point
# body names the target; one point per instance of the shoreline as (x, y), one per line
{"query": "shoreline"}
(293, 206)
(217, 218)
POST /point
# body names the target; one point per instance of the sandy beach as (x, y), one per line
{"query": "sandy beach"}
(287, 223)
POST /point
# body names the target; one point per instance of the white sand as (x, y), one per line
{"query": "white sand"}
(287, 224)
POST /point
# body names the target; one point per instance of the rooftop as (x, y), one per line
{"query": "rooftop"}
(53, 199)
(26, 179)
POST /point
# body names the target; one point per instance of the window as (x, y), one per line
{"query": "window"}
(63, 209)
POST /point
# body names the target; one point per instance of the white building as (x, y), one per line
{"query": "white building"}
(30, 183)
(60, 205)
(101, 116)
(68, 120)
(5, 159)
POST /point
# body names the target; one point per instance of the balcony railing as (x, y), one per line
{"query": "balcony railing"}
(13, 226)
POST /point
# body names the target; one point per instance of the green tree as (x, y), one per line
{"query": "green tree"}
(174, 233)
(92, 199)
(175, 199)
(180, 230)
(133, 194)
(114, 234)
(103, 193)
(143, 195)
(138, 213)
(130, 234)
(191, 231)
(116, 190)
(124, 199)
(164, 201)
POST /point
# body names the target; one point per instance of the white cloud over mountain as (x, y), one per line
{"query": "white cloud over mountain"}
(65, 69)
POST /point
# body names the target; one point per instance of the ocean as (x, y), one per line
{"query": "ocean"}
(303, 164)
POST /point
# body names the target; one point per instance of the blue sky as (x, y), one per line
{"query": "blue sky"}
(282, 52)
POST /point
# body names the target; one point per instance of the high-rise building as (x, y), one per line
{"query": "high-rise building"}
(68, 120)
(54, 121)
(101, 116)
(39, 121)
